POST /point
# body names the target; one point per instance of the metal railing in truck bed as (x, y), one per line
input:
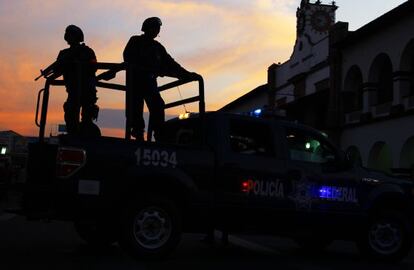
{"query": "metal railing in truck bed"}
(111, 70)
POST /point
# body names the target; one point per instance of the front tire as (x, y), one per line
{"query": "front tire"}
(387, 237)
(151, 229)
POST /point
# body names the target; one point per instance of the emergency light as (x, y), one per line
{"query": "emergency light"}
(184, 116)
(266, 112)
(257, 112)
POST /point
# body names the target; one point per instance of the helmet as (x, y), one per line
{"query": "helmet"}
(73, 34)
(151, 22)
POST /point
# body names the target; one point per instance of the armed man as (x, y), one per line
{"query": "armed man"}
(77, 65)
(147, 59)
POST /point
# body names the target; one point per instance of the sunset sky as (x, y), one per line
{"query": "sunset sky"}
(230, 42)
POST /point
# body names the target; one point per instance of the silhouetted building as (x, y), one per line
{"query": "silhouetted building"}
(13, 156)
(249, 101)
(12, 142)
(300, 85)
(357, 86)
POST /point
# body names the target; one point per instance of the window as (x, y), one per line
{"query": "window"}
(308, 148)
(250, 138)
(352, 94)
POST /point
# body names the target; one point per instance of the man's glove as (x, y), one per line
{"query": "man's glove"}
(107, 75)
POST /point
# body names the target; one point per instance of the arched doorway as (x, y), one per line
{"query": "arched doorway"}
(380, 157)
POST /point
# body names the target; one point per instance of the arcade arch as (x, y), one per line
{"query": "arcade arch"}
(380, 157)
(381, 74)
(354, 155)
(407, 63)
(407, 154)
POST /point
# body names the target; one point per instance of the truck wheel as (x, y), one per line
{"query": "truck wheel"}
(151, 229)
(95, 233)
(387, 237)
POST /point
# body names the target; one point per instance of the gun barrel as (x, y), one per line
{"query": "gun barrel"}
(38, 77)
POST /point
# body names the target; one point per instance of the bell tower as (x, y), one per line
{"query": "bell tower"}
(313, 20)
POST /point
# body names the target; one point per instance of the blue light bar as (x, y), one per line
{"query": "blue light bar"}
(325, 192)
(330, 193)
(257, 112)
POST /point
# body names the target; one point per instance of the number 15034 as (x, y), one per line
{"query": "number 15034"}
(154, 157)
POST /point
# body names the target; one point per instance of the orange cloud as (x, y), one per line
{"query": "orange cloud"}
(20, 124)
(231, 46)
(244, 45)
(235, 90)
(113, 132)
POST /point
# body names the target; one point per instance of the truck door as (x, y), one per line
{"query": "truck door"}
(250, 182)
(325, 192)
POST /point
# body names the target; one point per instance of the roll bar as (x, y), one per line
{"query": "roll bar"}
(110, 73)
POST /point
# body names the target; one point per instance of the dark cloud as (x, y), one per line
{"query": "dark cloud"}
(115, 118)
(111, 118)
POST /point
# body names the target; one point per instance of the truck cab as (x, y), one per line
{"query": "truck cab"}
(280, 177)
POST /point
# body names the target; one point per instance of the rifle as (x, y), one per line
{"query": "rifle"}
(47, 71)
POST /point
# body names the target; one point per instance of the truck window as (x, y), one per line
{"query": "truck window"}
(250, 138)
(308, 148)
(186, 132)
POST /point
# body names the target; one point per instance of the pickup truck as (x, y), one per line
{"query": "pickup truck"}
(232, 172)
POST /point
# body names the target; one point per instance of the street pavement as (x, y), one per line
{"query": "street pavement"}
(55, 245)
